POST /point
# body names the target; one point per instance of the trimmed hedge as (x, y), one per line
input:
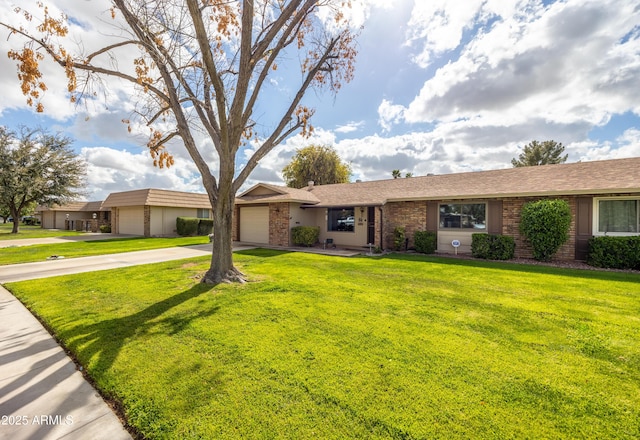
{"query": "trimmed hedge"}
(545, 224)
(492, 247)
(205, 226)
(187, 226)
(425, 242)
(614, 252)
(305, 235)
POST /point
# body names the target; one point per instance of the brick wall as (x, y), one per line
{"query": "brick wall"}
(235, 223)
(411, 215)
(511, 209)
(279, 214)
(147, 221)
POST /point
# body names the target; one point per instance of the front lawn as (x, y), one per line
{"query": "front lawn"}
(317, 347)
(40, 252)
(32, 232)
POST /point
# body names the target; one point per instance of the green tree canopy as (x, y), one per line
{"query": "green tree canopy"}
(37, 167)
(320, 164)
(536, 153)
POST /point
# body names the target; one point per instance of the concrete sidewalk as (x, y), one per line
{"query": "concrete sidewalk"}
(89, 236)
(42, 395)
(66, 266)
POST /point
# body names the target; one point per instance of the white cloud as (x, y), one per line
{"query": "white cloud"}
(390, 114)
(438, 26)
(565, 64)
(111, 170)
(350, 127)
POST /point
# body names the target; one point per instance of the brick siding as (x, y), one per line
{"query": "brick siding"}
(411, 215)
(279, 214)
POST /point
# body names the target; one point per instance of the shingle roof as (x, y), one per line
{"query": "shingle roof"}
(157, 197)
(598, 177)
(74, 207)
(263, 192)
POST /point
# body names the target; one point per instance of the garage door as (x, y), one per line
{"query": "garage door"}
(131, 220)
(254, 224)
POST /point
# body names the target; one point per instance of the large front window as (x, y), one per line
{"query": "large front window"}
(620, 216)
(342, 219)
(463, 216)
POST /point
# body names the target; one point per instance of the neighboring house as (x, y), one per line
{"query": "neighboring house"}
(153, 212)
(604, 197)
(74, 216)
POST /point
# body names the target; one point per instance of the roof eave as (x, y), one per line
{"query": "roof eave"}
(558, 193)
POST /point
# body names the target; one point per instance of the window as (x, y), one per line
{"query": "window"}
(618, 215)
(463, 216)
(340, 219)
(202, 213)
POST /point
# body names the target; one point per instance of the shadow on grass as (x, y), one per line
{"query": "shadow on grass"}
(105, 339)
(263, 253)
(516, 267)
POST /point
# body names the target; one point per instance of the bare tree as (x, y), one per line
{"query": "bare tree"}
(202, 65)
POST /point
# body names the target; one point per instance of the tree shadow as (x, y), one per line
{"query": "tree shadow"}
(105, 339)
(262, 252)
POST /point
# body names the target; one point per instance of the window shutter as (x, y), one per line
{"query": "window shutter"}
(494, 217)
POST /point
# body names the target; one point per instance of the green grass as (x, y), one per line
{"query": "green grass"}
(25, 231)
(398, 347)
(33, 253)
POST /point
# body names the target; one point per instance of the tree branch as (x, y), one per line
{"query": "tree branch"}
(276, 135)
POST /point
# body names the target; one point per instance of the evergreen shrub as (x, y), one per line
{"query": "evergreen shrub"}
(425, 242)
(614, 252)
(492, 247)
(545, 225)
(305, 235)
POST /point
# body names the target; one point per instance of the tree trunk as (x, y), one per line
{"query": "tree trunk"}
(16, 220)
(222, 269)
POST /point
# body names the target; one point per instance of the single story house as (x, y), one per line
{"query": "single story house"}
(153, 212)
(604, 197)
(74, 216)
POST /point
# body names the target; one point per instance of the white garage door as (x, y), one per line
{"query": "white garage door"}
(131, 220)
(254, 224)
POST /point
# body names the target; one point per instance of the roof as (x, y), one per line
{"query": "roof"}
(75, 207)
(593, 178)
(157, 197)
(265, 193)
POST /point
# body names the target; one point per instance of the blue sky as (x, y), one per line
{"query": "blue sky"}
(438, 88)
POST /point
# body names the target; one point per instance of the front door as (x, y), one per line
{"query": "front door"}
(371, 225)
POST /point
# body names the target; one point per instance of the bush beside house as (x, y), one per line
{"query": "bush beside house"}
(545, 225)
(425, 242)
(189, 226)
(399, 238)
(305, 235)
(614, 252)
(492, 247)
